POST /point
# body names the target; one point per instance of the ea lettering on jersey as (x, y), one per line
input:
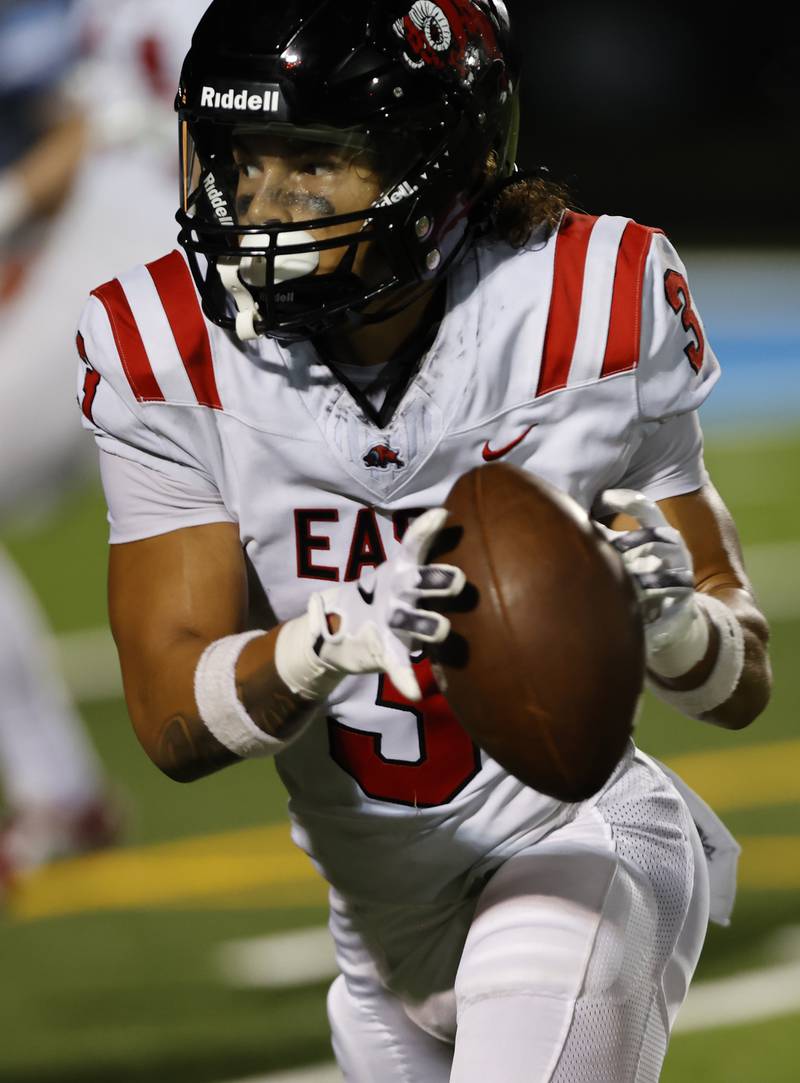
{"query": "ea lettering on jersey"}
(240, 101)
(366, 548)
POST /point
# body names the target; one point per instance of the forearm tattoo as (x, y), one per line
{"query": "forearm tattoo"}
(271, 705)
(188, 751)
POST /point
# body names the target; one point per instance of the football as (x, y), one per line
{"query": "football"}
(544, 666)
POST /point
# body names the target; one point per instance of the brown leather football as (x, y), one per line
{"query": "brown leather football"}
(545, 663)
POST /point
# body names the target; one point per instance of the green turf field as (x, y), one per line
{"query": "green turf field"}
(101, 989)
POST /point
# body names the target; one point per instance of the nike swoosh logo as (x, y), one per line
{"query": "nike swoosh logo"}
(367, 595)
(490, 456)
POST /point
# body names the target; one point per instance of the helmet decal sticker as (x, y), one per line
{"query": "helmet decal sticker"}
(432, 21)
(450, 34)
(218, 201)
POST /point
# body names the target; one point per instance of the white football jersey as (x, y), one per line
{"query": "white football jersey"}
(129, 78)
(579, 358)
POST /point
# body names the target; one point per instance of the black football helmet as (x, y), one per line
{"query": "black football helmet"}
(416, 99)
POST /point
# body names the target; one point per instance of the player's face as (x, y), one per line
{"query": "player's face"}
(282, 179)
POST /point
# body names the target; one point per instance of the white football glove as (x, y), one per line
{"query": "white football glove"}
(656, 556)
(379, 622)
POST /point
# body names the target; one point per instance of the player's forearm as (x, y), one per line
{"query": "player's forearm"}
(275, 709)
(160, 697)
(171, 727)
(46, 173)
(185, 750)
(706, 639)
(204, 698)
(752, 691)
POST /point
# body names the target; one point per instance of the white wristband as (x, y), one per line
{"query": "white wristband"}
(300, 669)
(724, 677)
(221, 710)
(13, 203)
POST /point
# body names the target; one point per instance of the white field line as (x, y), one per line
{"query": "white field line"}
(89, 664)
(89, 658)
(306, 956)
(282, 961)
(751, 996)
(744, 998)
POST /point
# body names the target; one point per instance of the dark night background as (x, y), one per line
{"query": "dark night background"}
(680, 116)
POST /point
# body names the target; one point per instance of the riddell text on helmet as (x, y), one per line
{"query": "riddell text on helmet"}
(240, 100)
(218, 201)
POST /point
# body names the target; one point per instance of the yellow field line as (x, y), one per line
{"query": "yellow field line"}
(770, 863)
(745, 777)
(260, 867)
(213, 869)
(162, 878)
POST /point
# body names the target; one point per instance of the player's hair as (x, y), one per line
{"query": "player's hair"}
(523, 205)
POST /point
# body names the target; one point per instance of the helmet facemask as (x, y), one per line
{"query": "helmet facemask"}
(304, 227)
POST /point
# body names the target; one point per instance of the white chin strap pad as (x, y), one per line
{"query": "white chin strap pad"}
(296, 264)
(238, 274)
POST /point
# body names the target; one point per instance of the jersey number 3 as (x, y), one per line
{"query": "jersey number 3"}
(680, 301)
(447, 760)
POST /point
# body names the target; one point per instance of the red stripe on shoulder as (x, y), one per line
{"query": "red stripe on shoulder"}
(81, 347)
(129, 342)
(91, 380)
(572, 245)
(173, 282)
(625, 323)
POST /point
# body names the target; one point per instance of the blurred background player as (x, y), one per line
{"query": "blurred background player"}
(87, 184)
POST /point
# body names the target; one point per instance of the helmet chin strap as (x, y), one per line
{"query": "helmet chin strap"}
(237, 274)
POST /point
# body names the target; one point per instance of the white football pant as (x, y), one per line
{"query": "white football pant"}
(120, 213)
(577, 960)
(45, 757)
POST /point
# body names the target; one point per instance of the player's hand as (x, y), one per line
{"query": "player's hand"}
(379, 623)
(660, 565)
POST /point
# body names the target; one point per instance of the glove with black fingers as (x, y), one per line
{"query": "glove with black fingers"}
(675, 625)
(377, 621)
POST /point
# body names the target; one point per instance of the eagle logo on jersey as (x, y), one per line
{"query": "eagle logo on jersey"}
(451, 34)
(381, 457)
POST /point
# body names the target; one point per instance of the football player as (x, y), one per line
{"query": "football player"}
(369, 302)
(53, 787)
(118, 104)
(94, 149)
